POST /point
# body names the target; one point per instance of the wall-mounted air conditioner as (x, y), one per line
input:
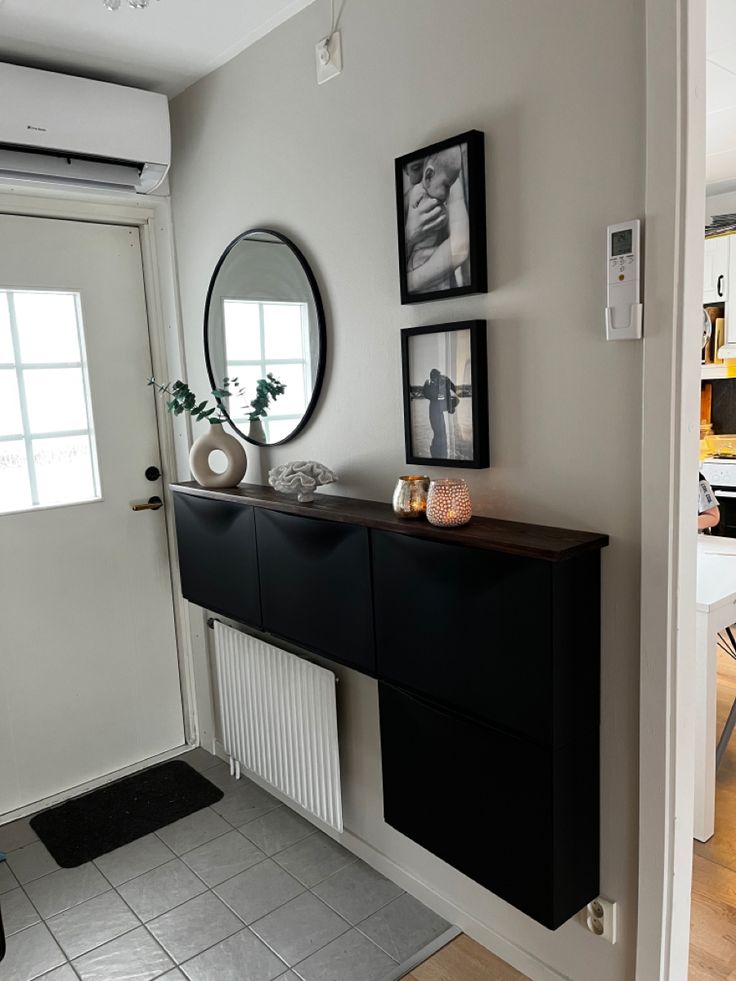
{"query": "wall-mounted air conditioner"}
(59, 129)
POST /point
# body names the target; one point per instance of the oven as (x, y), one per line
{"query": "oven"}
(721, 475)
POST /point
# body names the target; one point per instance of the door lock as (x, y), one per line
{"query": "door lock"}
(152, 473)
(152, 504)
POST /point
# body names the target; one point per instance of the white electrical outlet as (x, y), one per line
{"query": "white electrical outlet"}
(328, 53)
(600, 918)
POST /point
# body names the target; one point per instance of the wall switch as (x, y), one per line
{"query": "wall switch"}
(600, 918)
(328, 52)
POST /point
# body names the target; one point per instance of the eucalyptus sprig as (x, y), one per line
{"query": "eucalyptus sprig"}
(266, 389)
(182, 399)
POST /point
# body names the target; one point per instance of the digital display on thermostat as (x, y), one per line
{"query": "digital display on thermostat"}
(622, 242)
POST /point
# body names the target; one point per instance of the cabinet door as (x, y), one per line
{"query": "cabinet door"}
(519, 819)
(217, 556)
(716, 272)
(469, 628)
(316, 585)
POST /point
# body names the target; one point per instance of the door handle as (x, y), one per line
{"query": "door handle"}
(719, 286)
(152, 504)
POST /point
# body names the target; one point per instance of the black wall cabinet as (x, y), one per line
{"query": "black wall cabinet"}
(509, 814)
(316, 586)
(217, 556)
(490, 634)
(485, 641)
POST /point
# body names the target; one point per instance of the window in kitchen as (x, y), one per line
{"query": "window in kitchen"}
(263, 337)
(48, 455)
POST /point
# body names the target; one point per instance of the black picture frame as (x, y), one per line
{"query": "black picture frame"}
(440, 182)
(466, 358)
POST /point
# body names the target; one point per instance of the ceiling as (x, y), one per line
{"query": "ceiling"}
(721, 95)
(164, 48)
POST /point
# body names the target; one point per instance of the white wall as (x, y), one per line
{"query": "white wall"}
(557, 88)
(720, 204)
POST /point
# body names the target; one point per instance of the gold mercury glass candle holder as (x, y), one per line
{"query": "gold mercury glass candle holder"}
(410, 496)
(448, 503)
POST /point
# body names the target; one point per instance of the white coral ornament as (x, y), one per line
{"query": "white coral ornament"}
(301, 477)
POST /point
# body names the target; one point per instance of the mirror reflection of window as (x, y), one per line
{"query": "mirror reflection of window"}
(262, 337)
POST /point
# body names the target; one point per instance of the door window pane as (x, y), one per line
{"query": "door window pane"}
(278, 429)
(242, 330)
(293, 402)
(15, 487)
(268, 338)
(282, 324)
(64, 470)
(56, 399)
(47, 327)
(54, 460)
(11, 422)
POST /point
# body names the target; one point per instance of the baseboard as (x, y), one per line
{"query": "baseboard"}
(514, 955)
(84, 788)
(509, 952)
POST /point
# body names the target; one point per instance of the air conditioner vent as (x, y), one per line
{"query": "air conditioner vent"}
(60, 129)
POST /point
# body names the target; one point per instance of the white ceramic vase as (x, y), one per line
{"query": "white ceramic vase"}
(215, 438)
(256, 431)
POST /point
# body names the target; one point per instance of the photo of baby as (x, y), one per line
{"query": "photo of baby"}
(441, 213)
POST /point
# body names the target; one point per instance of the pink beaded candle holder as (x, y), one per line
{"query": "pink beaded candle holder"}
(448, 503)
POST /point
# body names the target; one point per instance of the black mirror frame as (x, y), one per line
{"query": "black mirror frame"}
(321, 328)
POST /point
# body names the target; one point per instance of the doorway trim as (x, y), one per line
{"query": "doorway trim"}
(675, 213)
(152, 217)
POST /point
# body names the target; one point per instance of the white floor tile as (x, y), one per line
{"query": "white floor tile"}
(30, 954)
(134, 957)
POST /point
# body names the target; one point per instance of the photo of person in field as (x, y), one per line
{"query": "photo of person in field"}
(441, 395)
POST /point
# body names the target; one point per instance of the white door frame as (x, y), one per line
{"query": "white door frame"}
(675, 212)
(152, 216)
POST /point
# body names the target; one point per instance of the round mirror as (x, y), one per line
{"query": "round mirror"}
(264, 337)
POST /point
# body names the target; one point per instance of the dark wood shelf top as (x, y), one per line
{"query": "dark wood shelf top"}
(511, 537)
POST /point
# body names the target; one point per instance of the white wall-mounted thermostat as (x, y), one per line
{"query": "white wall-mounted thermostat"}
(624, 308)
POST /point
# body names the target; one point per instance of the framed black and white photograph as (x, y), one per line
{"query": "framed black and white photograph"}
(446, 394)
(441, 211)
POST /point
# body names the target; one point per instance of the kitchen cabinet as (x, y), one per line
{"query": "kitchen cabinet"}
(716, 273)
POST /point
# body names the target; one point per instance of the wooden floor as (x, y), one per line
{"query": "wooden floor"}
(464, 960)
(713, 929)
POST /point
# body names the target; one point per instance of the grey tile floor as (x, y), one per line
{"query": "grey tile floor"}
(246, 890)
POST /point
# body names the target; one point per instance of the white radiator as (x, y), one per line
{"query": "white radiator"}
(279, 720)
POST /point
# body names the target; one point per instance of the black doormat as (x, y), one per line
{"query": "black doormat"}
(85, 828)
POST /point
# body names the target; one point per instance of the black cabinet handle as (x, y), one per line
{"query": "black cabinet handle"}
(719, 287)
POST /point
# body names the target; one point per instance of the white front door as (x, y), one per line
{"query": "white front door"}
(89, 679)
